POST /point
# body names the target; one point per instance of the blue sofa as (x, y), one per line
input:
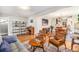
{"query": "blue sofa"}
(11, 44)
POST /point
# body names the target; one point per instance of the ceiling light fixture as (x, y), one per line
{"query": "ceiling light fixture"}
(24, 7)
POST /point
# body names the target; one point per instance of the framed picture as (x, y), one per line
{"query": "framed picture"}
(44, 22)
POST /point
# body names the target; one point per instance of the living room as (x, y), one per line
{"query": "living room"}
(39, 29)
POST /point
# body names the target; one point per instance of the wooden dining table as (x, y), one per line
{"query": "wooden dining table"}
(40, 40)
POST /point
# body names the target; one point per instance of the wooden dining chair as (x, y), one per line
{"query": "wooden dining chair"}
(75, 40)
(59, 38)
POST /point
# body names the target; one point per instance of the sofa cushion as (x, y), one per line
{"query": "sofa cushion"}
(5, 47)
(10, 39)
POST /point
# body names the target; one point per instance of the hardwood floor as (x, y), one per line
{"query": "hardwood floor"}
(21, 38)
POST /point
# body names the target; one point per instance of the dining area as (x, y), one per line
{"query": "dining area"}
(52, 39)
(46, 38)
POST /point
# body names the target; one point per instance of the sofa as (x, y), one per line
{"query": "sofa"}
(11, 44)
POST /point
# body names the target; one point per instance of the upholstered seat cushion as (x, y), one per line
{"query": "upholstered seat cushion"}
(5, 47)
(56, 42)
(10, 39)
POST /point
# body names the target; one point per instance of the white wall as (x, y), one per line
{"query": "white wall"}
(38, 22)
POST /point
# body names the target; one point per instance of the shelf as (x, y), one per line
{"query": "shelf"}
(18, 27)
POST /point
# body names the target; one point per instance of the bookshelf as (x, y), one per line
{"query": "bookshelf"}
(18, 27)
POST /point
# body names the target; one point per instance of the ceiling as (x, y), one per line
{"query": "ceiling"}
(34, 10)
(74, 10)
